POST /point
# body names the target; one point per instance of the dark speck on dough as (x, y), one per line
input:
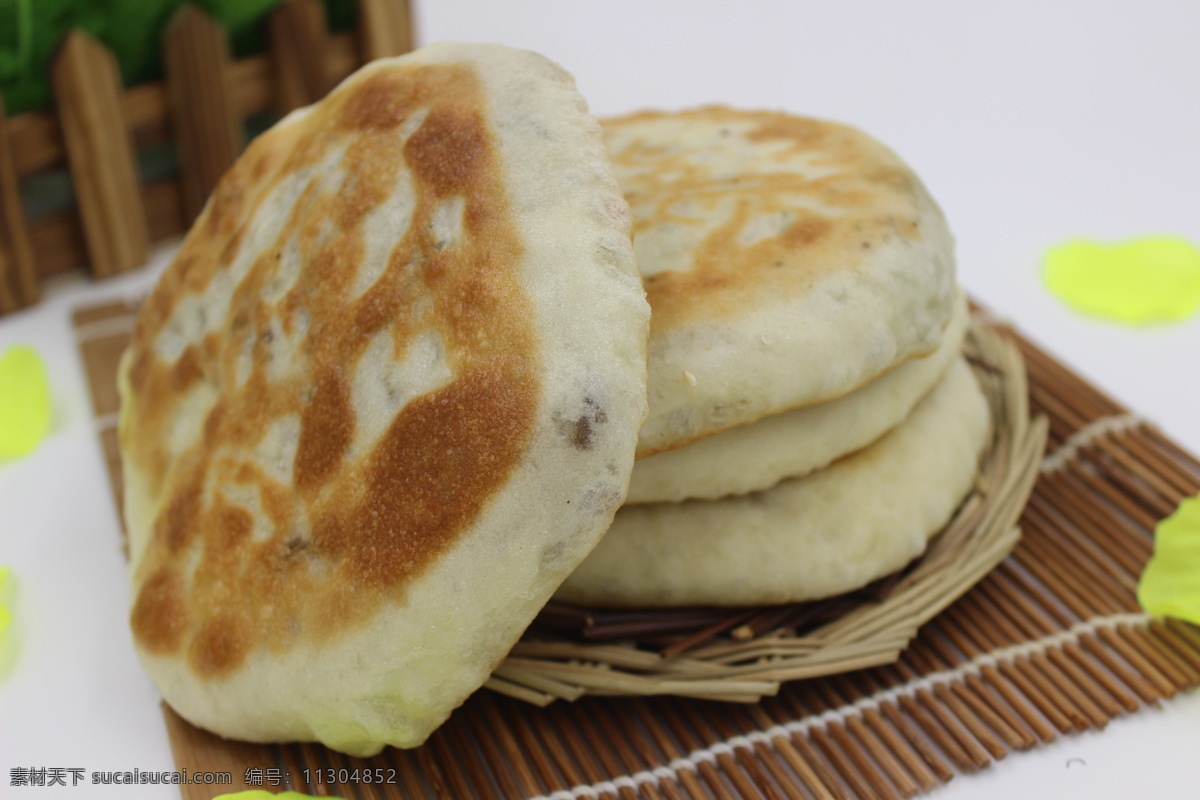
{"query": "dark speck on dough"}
(581, 431)
(553, 554)
(581, 436)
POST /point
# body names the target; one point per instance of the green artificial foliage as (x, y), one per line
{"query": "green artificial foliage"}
(30, 31)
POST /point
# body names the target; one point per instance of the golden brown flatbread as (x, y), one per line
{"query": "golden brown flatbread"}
(382, 402)
(787, 261)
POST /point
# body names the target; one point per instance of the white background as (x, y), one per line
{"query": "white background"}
(1031, 123)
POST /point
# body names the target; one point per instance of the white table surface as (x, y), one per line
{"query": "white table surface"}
(1031, 122)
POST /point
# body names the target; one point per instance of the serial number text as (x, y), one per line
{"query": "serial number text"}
(358, 775)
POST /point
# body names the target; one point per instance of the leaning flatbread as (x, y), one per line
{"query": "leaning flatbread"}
(383, 401)
(830, 532)
(787, 261)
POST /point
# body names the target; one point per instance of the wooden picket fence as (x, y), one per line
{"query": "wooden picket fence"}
(97, 128)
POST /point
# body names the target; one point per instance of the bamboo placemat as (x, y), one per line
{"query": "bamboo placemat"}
(1049, 643)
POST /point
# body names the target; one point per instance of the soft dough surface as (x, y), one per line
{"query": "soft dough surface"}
(384, 400)
(831, 532)
(757, 456)
(787, 261)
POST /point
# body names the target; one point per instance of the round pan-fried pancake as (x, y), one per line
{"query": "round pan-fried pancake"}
(830, 532)
(757, 456)
(383, 401)
(787, 261)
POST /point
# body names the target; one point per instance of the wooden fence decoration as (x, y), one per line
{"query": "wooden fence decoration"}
(204, 116)
(96, 130)
(18, 276)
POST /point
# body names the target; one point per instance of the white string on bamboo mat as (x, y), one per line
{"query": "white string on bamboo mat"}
(747, 741)
(1089, 433)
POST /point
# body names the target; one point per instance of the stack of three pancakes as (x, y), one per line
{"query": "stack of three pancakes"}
(812, 423)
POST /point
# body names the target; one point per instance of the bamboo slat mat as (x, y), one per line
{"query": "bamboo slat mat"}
(1048, 644)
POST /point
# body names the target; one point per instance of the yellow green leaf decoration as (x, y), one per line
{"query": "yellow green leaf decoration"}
(8, 643)
(24, 401)
(1141, 281)
(1170, 584)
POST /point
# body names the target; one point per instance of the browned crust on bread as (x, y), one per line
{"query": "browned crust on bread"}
(864, 195)
(344, 536)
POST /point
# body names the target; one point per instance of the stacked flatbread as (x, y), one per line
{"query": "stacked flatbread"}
(387, 398)
(811, 421)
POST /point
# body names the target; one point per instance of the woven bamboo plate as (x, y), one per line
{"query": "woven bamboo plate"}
(1033, 651)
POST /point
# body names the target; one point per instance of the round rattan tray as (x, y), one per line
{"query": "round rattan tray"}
(744, 654)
